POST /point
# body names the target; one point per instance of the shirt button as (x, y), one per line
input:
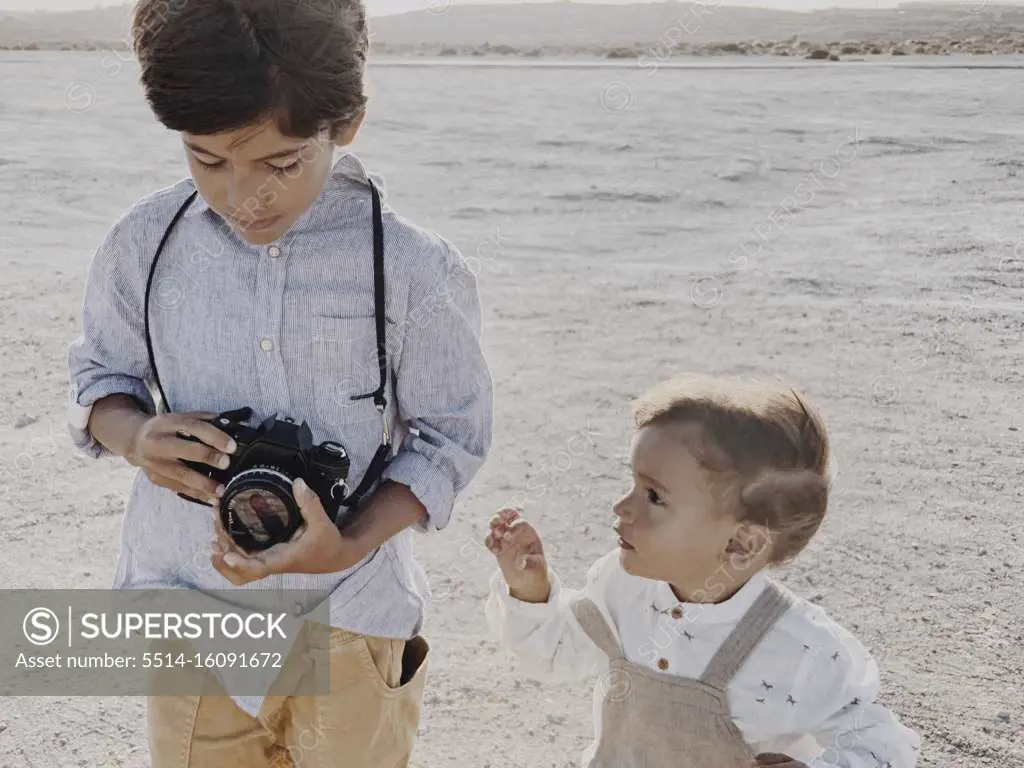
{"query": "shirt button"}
(663, 664)
(677, 613)
(267, 345)
(274, 251)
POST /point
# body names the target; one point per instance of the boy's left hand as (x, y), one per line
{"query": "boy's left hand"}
(775, 760)
(317, 547)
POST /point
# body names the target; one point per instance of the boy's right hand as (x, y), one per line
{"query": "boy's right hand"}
(520, 554)
(158, 447)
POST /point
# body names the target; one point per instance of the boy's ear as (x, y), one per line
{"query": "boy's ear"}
(344, 133)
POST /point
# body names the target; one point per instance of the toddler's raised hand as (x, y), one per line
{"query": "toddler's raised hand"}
(520, 554)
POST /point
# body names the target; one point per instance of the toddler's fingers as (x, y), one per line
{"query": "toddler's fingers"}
(507, 515)
(499, 524)
(499, 532)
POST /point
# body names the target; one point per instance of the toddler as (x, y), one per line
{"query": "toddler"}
(703, 659)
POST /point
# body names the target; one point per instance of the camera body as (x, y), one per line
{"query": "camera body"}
(258, 508)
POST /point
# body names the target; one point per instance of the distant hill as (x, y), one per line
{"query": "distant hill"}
(450, 27)
(578, 25)
(106, 27)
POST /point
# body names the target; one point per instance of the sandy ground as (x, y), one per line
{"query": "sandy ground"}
(892, 298)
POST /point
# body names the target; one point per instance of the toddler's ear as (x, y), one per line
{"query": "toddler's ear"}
(750, 541)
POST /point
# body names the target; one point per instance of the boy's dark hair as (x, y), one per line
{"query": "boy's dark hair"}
(210, 66)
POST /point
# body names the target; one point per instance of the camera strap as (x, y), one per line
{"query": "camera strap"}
(149, 291)
(383, 456)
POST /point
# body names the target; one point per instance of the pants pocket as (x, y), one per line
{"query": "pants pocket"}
(372, 713)
(414, 660)
(396, 667)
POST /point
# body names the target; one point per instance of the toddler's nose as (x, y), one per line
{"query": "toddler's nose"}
(621, 509)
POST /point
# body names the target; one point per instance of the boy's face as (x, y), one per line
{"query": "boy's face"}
(670, 524)
(260, 181)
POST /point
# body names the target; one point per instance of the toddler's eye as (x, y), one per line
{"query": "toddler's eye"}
(653, 497)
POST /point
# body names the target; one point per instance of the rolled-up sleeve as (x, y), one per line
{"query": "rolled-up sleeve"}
(444, 389)
(109, 357)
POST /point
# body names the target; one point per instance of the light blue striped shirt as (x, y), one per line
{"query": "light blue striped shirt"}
(288, 329)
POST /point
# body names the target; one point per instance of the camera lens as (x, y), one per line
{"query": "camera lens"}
(252, 506)
(258, 509)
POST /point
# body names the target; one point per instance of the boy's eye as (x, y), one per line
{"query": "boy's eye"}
(285, 168)
(210, 166)
(653, 497)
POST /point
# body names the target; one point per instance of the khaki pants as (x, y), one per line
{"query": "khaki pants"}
(369, 720)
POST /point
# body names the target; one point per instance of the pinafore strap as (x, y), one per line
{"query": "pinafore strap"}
(594, 624)
(769, 607)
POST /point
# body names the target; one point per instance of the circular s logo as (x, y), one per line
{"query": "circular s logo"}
(169, 293)
(41, 626)
(616, 685)
(616, 97)
(885, 391)
(706, 292)
(79, 97)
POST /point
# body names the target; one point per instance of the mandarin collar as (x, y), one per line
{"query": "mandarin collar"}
(731, 610)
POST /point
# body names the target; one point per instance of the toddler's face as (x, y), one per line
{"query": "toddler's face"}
(669, 523)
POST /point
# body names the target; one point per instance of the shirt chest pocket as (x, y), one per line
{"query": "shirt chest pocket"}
(340, 355)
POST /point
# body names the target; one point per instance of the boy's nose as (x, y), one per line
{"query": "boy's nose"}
(242, 197)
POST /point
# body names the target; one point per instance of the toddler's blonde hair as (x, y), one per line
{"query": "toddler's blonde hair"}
(765, 449)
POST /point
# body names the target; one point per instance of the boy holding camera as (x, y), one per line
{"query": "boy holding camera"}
(285, 286)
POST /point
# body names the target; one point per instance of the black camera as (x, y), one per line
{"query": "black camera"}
(258, 508)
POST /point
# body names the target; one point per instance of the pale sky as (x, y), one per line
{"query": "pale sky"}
(382, 7)
(375, 6)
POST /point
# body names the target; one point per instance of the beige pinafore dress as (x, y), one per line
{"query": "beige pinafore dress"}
(653, 720)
